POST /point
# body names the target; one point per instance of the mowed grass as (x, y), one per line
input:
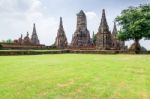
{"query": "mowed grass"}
(75, 76)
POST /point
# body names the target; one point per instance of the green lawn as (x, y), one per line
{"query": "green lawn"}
(30, 50)
(75, 76)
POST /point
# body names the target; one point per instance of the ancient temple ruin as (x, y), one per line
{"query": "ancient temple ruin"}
(102, 40)
(34, 37)
(20, 40)
(116, 43)
(27, 40)
(103, 37)
(61, 39)
(81, 37)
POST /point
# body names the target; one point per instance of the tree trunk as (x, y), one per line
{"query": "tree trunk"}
(137, 45)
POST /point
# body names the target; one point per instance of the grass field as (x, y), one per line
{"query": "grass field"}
(75, 76)
(30, 50)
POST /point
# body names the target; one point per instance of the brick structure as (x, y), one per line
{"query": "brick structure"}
(103, 37)
(81, 37)
(102, 40)
(27, 40)
(20, 40)
(61, 39)
(116, 43)
(34, 37)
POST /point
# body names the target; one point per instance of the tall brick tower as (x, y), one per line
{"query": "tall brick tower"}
(103, 36)
(34, 37)
(61, 39)
(81, 37)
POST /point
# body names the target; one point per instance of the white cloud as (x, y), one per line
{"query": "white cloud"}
(91, 15)
(92, 18)
(19, 16)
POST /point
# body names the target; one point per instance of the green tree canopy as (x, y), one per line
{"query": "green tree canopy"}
(94, 38)
(0, 46)
(9, 41)
(135, 24)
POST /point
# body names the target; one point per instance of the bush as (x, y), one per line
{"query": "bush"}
(143, 49)
(0, 46)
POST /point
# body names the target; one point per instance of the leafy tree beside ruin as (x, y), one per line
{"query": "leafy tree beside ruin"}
(135, 24)
(94, 38)
(0, 46)
(9, 41)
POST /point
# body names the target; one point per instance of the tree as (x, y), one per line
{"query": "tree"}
(94, 38)
(143, 48)
(9, 41)
(135, 24)
(0, 46)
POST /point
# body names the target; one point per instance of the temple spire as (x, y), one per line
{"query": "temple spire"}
(61, 39)
(27, 34)
(34, 37)
(21, 36)
(114, 32)
(81, 37)
(103, 25)
(103, 37)
(81, 13)
(81, 21)
(61, 28)
(34, 29)
(61, 23)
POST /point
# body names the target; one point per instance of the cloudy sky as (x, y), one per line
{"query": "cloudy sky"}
(17, 16)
